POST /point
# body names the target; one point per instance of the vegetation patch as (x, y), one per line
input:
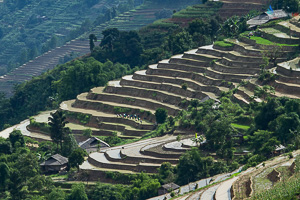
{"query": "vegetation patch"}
(224, 44)
(263, 41)
(239, 126)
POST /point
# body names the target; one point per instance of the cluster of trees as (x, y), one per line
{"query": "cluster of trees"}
(19, 169)
(287, 5)
(20, 175)
(136, 47)
(62, 83)
(119, 46)
(271, 124)
(279, 118)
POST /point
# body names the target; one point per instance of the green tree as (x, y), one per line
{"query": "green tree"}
(56, 194)
(234, 25)
(16, 139)
(5, 146)
(76, 158)
(27, 165)
(184, 86)
(161, 115)
(144, 187)
(53, 42)
(218, 133)
(57, 123)
(78, 192)
(4, 175)
(109, 36)
(291, 5)
(92, 38)
(268, 112)
(285, 125)
(195, 103)
(263, 142)
(87, 132)
(178, 43)
(166, 172)
(69, 145)
(198, 26)
(15, 184)
(193, 166)
(106, 192)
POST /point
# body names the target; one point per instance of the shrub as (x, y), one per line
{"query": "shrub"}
(87, 132)
(172, 194)
(161, 115)
(184, 86)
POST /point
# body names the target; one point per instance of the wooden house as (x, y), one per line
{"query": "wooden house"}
(54, 164)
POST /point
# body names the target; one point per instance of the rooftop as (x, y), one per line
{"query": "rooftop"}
(55, 160)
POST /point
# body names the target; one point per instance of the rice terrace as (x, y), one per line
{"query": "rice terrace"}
(148, 99)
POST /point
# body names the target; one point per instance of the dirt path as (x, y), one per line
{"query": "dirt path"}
(43, 117)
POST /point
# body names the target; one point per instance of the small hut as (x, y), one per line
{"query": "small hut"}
(54, 164)
(279, 150)
(167, 188)
(93, 144)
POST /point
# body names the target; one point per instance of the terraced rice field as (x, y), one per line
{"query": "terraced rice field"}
(207, 72)
(239, 8)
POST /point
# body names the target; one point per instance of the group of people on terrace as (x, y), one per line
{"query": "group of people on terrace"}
(132, 117)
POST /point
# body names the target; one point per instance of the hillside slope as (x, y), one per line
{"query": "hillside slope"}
(273, 179)
(131, 20)
(208, 71)
(38, 26)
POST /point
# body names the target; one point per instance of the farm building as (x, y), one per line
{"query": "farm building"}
(93, 144)
(266, 17)
(167, 188)
(55, 163)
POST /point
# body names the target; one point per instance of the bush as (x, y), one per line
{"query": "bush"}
(161, 115)
(119, 110)
(184, 86)
(172, 194)
(87, 132)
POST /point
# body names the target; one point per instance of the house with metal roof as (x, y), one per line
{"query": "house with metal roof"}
(54, 164)
(93, 144)
(266, 17)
